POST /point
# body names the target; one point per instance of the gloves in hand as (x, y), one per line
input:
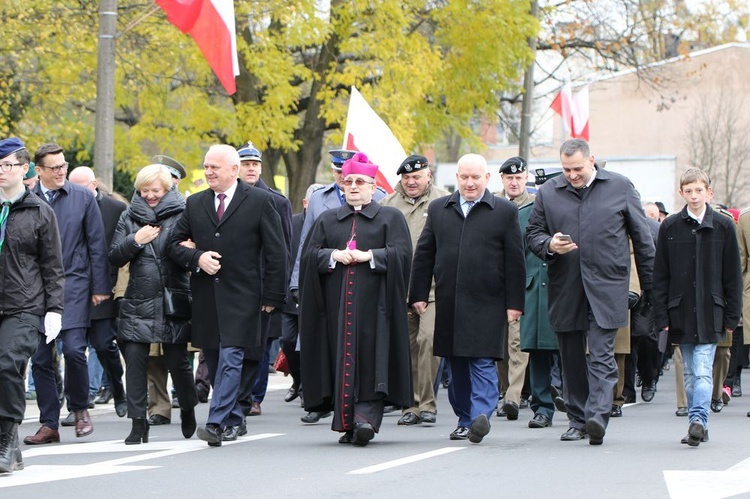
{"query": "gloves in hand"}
(645, 304)
(633, 298)
(52, 325)
(295, 294)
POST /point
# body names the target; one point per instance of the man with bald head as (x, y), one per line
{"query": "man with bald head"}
(238, 266)
(471, 244)
(102, 329)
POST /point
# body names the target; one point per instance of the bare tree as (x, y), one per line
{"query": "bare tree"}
(719, 144)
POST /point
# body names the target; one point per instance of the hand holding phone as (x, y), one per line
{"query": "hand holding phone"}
(565, 238)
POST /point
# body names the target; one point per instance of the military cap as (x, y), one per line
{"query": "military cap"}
(248, 152)
(541, 175)
(9, 146)
(175, 167)
(661, 207)
(412, 163)
(513, 165)
(32, 171)
(339, 157)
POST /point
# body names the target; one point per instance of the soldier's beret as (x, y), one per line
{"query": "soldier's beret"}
(175, 167)
(513, 165)
(412, 163)
(32, 171)
(9, 146)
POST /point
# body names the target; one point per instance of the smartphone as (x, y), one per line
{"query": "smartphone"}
(565, 237)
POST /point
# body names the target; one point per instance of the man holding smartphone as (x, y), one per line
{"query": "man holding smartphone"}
(589, 272)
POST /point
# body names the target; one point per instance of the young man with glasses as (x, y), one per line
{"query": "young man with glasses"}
(31, 297)
(87, 283)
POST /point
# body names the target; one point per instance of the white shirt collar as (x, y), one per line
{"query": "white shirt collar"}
(698, 218)
(229, 193)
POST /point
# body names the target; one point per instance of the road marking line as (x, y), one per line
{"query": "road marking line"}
(404, 460)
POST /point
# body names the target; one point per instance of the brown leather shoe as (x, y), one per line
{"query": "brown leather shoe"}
(44, 435)
(255, 409)
(83, 423)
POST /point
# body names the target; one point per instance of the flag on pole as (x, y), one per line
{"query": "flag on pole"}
(574, 111)
(211, 25)
(366, 132)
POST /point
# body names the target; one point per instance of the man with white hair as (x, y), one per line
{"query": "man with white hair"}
(233, 226)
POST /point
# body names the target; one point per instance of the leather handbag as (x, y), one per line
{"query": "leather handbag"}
(177, 304)
(281, 365)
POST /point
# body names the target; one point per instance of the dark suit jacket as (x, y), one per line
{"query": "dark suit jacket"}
(111, 209)
(226, 306)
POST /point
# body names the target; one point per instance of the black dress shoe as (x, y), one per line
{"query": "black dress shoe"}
(314, 417)
(717, 405)
(480, 427)
(686, 438)
(540, 421)
(648, 390)
(202, 393)
(409, 419)
(681, 412)
(347, 437)
(242, 431)
(737, 388)
(501, 411)
(187, 422)
(616, 411)
(121, 407)
(105, 395)
(212, 434)
(363, 433)
(573, 434)
(695, 434)
(390, 408)
(158, 419)
(511, 410)
(70, 420)
(460, 433)
(557, 398)
(428, 417)
(291, 394)
(596, 432)
(524, 403)
(230, 433)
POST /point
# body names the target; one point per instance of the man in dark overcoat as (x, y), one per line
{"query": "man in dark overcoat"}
(233, 278)
(87, 284)
(102, 329)
(580, 226)
(472, 246)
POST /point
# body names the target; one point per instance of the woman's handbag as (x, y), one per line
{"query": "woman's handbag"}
(177, 303)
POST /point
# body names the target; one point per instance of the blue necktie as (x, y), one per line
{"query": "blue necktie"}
(51, 195)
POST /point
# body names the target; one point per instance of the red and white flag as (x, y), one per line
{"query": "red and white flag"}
(366, 132)
(211, 25)
(574, 111)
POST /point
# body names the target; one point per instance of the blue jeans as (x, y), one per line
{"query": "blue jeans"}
(473, 388)
(698, 363)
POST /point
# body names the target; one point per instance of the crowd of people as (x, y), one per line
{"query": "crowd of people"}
(562, 300)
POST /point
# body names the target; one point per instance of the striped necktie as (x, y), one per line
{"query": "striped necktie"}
(51, 195)
(3, 221)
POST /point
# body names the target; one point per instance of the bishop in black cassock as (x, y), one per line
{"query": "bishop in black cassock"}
(354, 339)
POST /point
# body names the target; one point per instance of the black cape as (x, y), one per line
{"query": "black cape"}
(373, 361)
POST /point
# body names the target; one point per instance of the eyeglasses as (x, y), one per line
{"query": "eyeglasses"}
(63, 167)
(358, 182)
(6, 167)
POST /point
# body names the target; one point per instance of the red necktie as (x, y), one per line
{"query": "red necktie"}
(220, 210)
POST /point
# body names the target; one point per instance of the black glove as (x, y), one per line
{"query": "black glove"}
(645, 305)
(632, 299)
(295, 294)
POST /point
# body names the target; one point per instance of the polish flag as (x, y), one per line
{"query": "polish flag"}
(211, 25)
(574, 111)
(366, 132)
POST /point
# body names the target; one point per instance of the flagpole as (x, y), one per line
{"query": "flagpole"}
(104, 131)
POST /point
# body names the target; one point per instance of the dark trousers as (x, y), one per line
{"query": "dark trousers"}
(648, 358)
(540, 379)
(225, 369)
(136, 377)
(19, 337)
(736, 357)
(289, 335)
(102, 339)
(589, 381)
(261, 378)
(76, 376)
(248, 378)
(473, 388)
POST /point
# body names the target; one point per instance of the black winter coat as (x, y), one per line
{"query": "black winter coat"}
(141, 318)
(697, 277)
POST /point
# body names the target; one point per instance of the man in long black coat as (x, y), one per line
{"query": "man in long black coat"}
(354, 338)
(472, 245)
(233, 278)
(580, 226)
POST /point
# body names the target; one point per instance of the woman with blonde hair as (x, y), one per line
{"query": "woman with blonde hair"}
(156, 307)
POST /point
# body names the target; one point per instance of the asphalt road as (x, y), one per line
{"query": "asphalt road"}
(280, 457)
